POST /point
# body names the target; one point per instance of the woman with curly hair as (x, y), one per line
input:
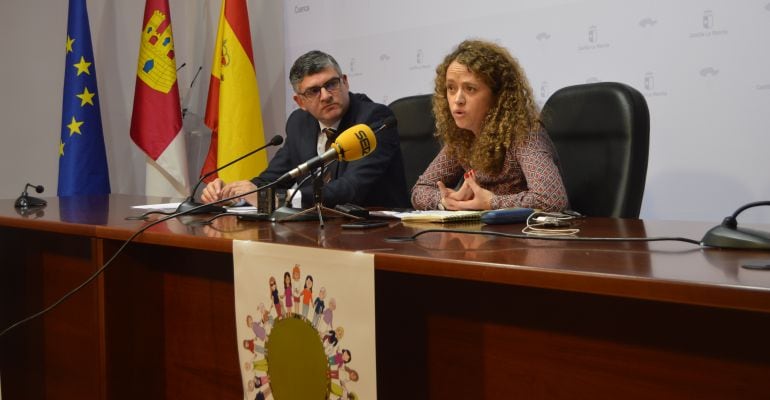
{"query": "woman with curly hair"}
(489, 124)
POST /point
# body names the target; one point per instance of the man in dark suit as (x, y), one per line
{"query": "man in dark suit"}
(322, 93)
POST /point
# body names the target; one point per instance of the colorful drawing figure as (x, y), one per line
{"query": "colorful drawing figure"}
(319, 306)
(295, 276)
(307, 295)
(256, 365)
(340, 389)
(331, 338)
(252, 346)
(328, 315)
(287, 295)
(340, 358)
(275, 297)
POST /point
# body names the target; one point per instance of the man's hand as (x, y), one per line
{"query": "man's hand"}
(240, 187)
(213, 191)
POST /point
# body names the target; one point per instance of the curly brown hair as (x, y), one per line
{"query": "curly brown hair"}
(513, 113)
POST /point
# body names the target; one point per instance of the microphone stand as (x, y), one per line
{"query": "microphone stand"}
(318, 183)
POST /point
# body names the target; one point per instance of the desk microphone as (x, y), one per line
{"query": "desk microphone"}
(192, 207)
(356, 142)
(729, 235)
(27, 201)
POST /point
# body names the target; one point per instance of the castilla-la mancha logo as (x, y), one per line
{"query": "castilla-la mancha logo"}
(354, 71)
(593, 40)
(419, 61)
(708, 19)
(648, 83)
(708, 24)
(156, 54)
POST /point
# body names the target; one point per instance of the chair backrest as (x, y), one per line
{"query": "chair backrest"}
(416, 126)
(601, 132)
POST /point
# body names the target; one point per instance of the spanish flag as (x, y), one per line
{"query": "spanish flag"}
(156, 122)
(233, 109)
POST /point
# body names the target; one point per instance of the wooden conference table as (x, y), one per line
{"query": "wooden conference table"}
(458, 316)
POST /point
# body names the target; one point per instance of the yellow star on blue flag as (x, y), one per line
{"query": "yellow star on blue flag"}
(82, 156)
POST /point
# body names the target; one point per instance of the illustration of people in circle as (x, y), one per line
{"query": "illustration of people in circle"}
(296, 350)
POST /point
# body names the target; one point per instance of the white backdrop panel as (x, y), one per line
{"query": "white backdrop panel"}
(703, 67)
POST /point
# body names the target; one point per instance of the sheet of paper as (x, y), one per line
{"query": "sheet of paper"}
(173, 206)
(159, 206)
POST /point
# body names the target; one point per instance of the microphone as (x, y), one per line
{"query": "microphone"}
(186, 100)
(26, 201)
(196, 76)
(729, 235)
(193, 207)
(354, 143)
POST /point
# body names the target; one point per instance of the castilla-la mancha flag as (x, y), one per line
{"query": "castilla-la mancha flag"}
(156, 122)
(233, 109)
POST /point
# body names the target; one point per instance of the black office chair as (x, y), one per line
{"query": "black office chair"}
(602, 134)
(415, 128)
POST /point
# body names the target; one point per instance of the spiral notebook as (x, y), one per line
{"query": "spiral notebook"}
(440, 216)
(501, 216)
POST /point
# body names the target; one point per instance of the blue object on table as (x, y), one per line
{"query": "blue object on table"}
(506, 215)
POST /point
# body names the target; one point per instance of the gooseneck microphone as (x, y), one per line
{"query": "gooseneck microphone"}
(27, 201)
(186, 100)
(192, 207)
(354, 143)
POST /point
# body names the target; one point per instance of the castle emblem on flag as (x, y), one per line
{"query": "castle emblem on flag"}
(156, 56)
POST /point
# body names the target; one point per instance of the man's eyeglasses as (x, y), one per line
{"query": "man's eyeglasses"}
(331, 86)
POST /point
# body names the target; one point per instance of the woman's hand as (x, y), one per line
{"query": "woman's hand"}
(465, 192)
(471, 196)
(453, 195)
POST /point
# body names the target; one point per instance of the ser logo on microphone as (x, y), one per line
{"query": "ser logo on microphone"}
(363, 141)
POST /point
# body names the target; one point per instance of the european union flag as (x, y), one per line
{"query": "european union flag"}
(82, 158)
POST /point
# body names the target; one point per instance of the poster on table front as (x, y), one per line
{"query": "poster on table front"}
(305, 322)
